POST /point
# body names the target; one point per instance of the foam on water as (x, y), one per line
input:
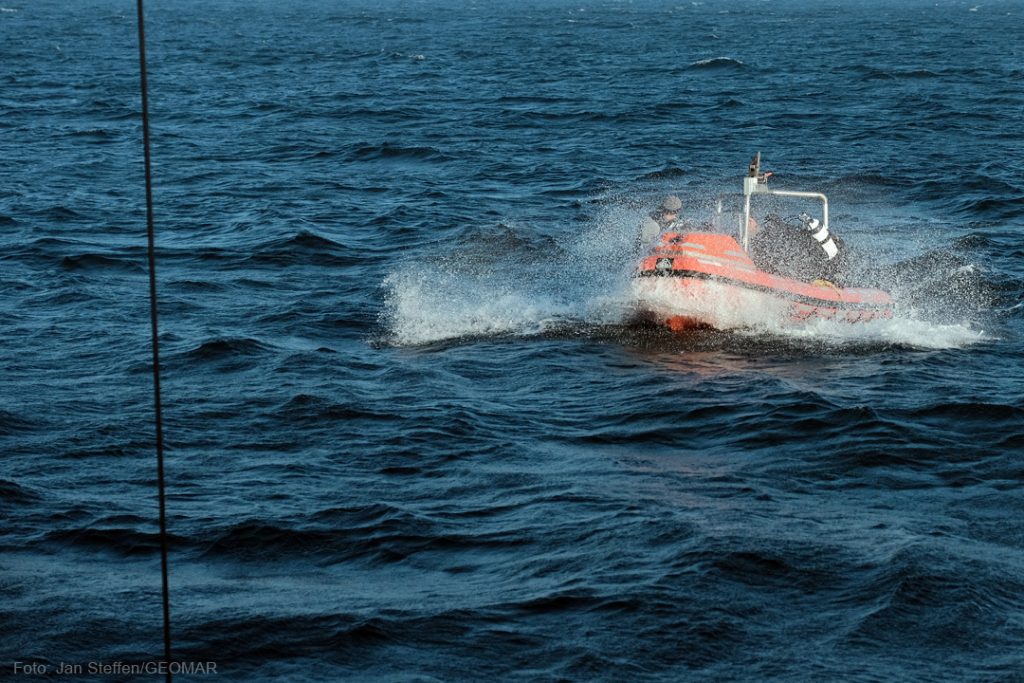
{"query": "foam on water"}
(909, 332)
(427, 305)
(509, 286)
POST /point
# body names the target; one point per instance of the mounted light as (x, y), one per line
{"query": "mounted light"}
(663, 265)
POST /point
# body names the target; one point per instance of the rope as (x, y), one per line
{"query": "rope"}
(158, 410)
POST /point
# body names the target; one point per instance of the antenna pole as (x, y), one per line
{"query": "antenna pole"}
(158, 410)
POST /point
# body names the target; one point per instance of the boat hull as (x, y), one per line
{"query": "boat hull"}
(705, 280)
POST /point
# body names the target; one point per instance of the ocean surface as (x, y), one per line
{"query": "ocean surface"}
(413, 434)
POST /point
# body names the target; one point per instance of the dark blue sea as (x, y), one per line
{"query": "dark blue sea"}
(412, 431)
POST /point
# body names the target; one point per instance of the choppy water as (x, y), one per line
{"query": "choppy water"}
(411, 435)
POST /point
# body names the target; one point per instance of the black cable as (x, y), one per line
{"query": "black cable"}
(158, 410)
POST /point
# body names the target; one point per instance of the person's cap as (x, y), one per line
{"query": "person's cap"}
(671, 203)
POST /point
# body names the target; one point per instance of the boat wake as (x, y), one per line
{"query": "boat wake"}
(508, 283)
(894, 332)
(427, 305)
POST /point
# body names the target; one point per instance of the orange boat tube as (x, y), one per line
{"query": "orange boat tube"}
(706, 280)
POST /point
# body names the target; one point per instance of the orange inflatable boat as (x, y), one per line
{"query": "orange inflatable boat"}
(701, 279)
(690, 280)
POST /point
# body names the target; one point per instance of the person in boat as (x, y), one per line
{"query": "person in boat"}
(802, 251)
(665, 217)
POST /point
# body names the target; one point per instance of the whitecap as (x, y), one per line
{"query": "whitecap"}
(717, 63)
